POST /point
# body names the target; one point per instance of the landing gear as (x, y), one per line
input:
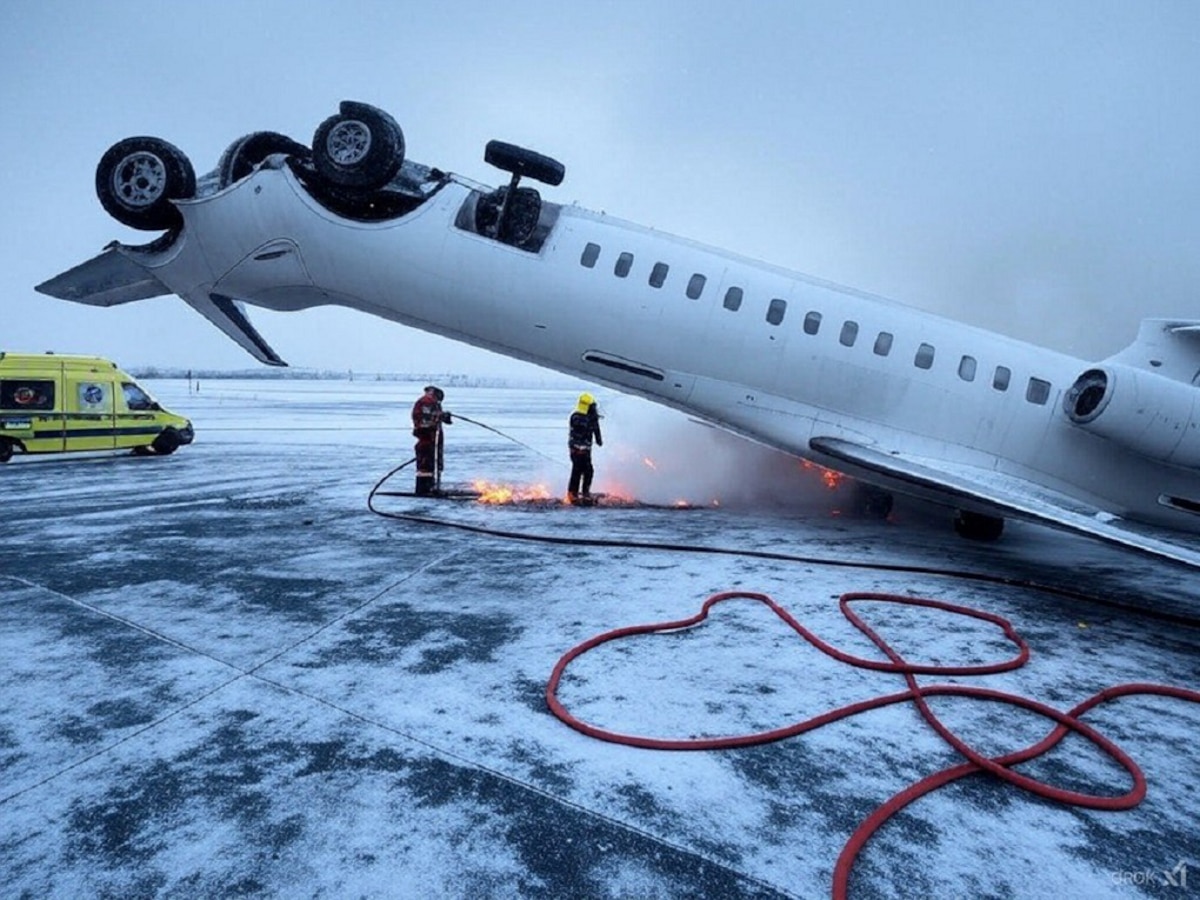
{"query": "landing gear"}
(240, 158)
(361, 147)
(137, 179)
(977, 526)
(510, 214)
(509, 221)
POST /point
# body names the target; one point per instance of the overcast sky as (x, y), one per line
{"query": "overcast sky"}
(1025, 166)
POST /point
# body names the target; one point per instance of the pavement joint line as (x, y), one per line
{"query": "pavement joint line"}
(254, 673)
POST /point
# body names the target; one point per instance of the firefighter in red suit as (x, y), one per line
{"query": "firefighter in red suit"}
(428, 418)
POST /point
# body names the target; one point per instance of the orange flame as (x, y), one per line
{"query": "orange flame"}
(832, 479)
(490, 492)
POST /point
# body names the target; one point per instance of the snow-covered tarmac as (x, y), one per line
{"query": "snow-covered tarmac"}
(224, 676)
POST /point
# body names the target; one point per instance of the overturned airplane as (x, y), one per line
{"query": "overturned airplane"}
(901, 399)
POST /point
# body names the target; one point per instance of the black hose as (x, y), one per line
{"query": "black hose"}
(959, 574)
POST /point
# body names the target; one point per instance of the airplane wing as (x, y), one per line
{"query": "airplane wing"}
(105, 280)
(114, 277)
(1010, 495)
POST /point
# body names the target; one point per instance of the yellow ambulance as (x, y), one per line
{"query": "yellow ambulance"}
(55, 404)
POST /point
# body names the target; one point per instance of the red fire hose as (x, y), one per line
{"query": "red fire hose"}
(1000, 766)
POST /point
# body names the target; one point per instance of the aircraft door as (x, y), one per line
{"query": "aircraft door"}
(89, 419)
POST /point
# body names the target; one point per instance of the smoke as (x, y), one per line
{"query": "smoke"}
(656, 455)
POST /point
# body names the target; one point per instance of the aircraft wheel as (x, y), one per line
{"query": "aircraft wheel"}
(361, 147)
(166, 443)
(240, 157)
(977, 526)
(137, 179)
(6, 450)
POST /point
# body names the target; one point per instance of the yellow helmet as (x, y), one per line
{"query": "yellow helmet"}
(585, 402)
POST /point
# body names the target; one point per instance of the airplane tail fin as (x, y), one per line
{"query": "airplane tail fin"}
(115, 277)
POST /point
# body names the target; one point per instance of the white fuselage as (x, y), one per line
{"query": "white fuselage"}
(934, 388)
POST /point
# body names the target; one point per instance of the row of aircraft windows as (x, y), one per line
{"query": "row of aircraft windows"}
(1036, 391)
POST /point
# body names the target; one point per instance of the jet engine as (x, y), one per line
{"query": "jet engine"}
(1148, 413)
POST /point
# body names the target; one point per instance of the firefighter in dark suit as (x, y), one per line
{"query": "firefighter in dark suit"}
(428, 418)
(584, 427)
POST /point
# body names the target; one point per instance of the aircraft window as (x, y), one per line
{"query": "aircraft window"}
(775, 311)
(812, 323)
(1037, 391)
(26, 394)
(1001, 378)
(883, 343)
(733, 298)
(924, 357)
(624, 264)
(658, 274)
(849, 334)
(591, 253)
(696, 286)
(966, 368)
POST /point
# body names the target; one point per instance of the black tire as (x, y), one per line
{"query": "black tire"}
(137, 178)
(143, 450)
(520, 161)
(240, 157)
(361, 147)
(166, 443)
(977, 526)
(6, 450)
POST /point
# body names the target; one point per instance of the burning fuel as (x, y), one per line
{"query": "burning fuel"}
(490, 492)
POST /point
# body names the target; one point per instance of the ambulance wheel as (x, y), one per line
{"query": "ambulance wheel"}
(361, 147)
(166, 443)
(6, 450)
(137, 178)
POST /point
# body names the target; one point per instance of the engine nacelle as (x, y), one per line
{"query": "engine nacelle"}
(1140, 410)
